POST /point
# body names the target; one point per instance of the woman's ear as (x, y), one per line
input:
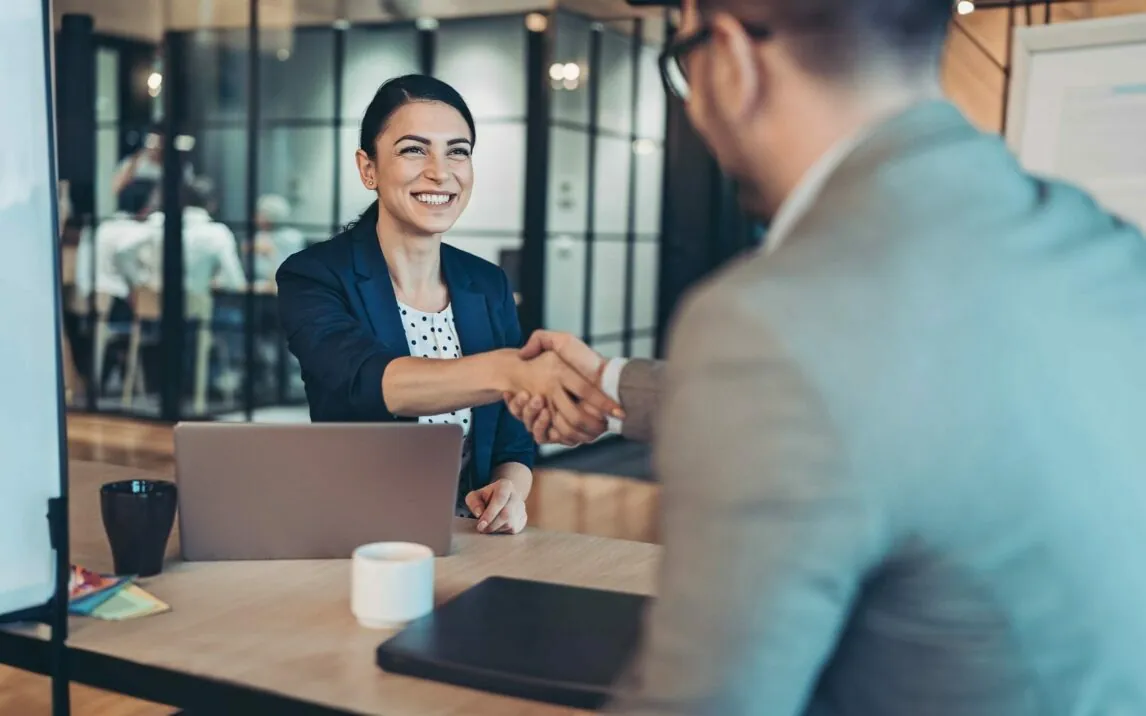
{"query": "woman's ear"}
(367, 170)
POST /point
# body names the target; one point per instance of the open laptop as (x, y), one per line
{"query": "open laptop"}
(313, 491)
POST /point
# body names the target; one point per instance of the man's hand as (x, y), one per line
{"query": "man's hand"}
(499, 507)
(576, 407)
(539, 417)
(571, 349)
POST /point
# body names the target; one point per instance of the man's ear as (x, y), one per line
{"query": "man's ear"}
(689, 16)
(736, 72)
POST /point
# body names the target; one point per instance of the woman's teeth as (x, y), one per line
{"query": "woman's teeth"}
(433, 199)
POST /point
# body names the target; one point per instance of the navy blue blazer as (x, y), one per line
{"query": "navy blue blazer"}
(340, 316)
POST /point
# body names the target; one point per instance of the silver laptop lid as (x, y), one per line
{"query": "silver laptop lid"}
(313, 491)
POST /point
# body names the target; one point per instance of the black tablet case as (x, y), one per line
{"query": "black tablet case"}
(547, 642)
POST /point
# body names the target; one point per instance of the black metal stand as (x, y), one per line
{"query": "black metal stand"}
(58, 607)
(55, 613)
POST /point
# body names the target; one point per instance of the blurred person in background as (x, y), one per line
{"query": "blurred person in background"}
(275, 241)
(103, 259)
(901, 446)
(107, 262)
(211, 268)
(210, 250)
(146, 163)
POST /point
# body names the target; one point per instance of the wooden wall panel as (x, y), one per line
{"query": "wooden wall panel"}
(973, 81)
(972, 76)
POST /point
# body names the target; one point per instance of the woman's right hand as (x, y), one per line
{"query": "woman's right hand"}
(578, 407)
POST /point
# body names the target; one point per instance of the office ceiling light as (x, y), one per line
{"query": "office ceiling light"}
(428, 24)
(154, 84)
(184, 142)
(566, 75)
(965, 7)
(536, 22)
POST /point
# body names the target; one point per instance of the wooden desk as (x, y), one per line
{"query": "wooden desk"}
(278, 637)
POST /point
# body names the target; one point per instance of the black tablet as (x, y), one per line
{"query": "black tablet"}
(547, 642)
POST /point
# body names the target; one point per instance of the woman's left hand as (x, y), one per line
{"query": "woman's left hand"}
(499, 507)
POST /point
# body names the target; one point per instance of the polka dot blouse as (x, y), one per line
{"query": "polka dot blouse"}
(433, 335)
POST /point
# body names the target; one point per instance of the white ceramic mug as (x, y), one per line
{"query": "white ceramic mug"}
(391, 583)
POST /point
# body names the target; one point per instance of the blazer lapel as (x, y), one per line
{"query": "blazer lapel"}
(472, 321)
(471, 313)
(377, 292)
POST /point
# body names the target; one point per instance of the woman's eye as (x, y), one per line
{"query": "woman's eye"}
(413, 150)
(460, 153)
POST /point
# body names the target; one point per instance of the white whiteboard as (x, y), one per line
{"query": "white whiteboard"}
(30, 401)
(1077, 108)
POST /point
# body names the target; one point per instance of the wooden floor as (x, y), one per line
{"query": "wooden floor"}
(561, 500)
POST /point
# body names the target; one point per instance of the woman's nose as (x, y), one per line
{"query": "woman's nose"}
(436, 170)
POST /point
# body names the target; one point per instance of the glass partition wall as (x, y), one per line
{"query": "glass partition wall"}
(606, 125)
(218, 150)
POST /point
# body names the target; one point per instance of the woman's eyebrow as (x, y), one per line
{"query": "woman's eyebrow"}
(414, 138)
(427, 142)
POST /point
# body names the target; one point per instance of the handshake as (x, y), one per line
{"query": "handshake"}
(558, 394)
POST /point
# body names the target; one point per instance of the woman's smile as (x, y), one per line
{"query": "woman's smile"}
(435, 199)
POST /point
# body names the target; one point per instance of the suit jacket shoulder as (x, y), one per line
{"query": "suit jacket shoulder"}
(940, 369)
(334, 254)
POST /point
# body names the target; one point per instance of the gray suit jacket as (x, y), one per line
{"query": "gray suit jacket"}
(639, 392)
(903, 458)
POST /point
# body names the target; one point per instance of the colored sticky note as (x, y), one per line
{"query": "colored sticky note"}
(130, 602)
(84, 606)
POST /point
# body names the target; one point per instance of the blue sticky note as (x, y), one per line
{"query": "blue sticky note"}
(86, 605)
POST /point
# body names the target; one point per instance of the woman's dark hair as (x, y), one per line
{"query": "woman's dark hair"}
(393, 95)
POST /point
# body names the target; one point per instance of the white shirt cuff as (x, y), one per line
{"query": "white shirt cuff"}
(611, 386)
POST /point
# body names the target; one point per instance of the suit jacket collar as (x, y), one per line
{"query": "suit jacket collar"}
(918, 127)
(915, 128)
(807, 191)
(471, 312)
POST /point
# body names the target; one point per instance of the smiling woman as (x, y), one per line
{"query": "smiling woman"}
(390, 324)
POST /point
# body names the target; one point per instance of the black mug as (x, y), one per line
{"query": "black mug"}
(137, 516)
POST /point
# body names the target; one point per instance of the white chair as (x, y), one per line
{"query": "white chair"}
(101, 336)
(198, 307)
(146, 306)
(201, 307)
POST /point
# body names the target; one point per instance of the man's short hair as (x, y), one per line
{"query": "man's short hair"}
(136, 196)
(198, 193)
(833, 37)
